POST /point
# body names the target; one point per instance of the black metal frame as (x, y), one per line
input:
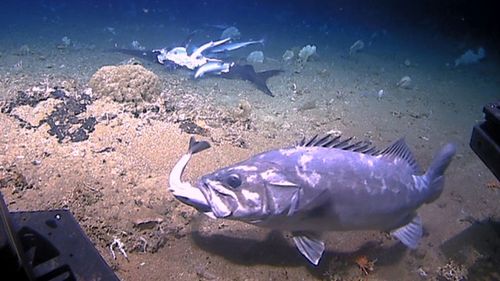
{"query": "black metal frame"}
(48, 245)
(485, 139)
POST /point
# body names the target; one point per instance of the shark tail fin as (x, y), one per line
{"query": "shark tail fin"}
(264, 76)
(434, 176)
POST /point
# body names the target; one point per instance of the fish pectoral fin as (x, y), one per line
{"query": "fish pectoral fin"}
(310, 245)
(410, 234)
(210, 215)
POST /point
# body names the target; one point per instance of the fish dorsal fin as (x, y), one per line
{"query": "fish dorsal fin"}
(399, 149)
(310, 245)
(335, 141)
(410, 234)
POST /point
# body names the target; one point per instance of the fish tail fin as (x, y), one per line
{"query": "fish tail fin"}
(197, 146)
(434, 177)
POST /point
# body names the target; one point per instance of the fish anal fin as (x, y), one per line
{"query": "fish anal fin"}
(399, 149)
(310, 245)
(411, 233)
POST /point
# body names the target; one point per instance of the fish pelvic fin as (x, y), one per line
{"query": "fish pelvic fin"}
(197, 146)
(309, 244)
(434, 176)
(410, 234)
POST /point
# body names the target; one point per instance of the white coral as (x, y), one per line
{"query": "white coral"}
(307, 52)
(256, 57)
(230, 32)
(471, 57)
(288, 55)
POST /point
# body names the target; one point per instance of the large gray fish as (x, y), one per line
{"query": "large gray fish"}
(327, 184)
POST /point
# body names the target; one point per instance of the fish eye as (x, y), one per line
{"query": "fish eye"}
(233, 180)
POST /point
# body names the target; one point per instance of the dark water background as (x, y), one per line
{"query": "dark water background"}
(471, 20)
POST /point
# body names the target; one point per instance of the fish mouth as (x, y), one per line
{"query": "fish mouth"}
(221, 200)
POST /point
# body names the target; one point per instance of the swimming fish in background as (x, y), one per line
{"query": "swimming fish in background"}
(227, 47)
(326, 184)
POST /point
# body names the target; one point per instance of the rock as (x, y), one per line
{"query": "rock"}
(243, 111)
(125, 83)
(147, 223)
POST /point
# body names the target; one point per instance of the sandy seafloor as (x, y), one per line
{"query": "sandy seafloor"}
(333, 91)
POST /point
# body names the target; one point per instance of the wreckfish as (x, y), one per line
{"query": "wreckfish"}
(327, 184)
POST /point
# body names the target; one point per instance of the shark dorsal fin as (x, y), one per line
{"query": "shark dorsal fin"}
(335, 141)
(399, 149)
